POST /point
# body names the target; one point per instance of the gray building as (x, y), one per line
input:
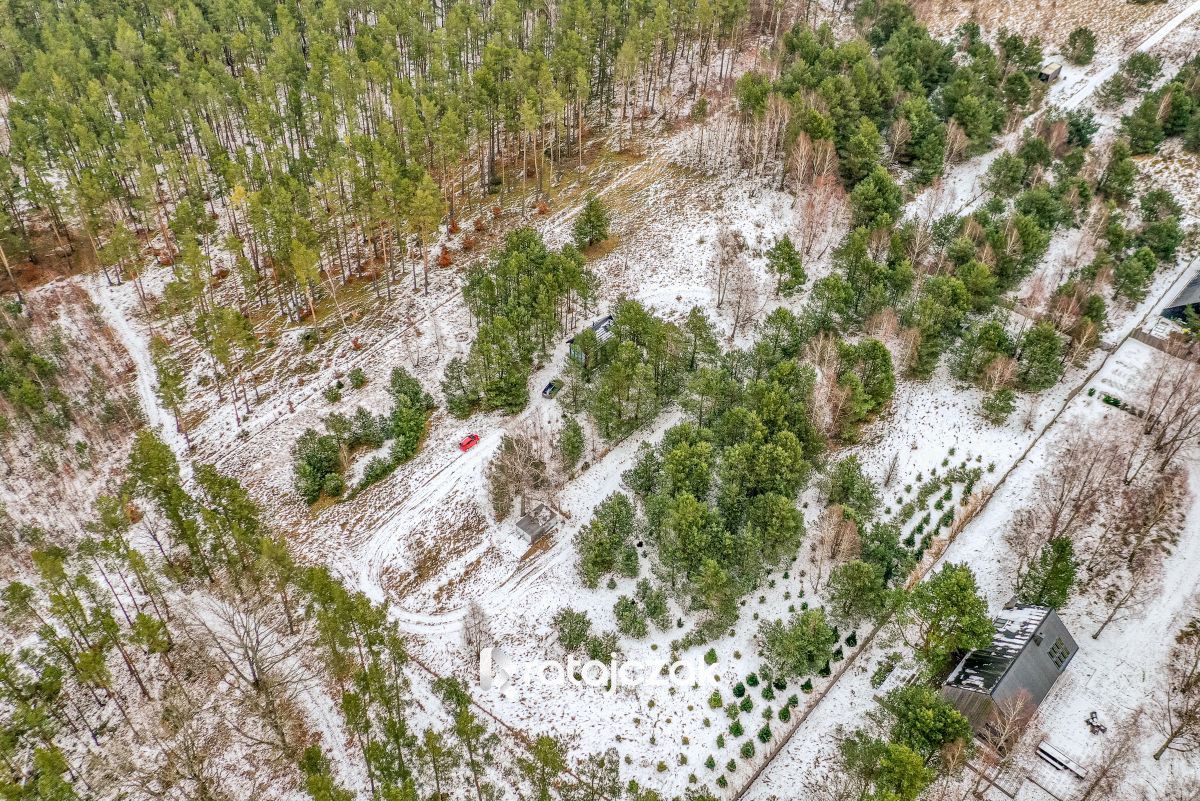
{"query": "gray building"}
(603, 331)
(1031, 649)
(537, 523)
(1188, 299)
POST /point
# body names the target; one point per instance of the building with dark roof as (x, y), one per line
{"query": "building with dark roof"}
(603, 331)
(1031, 649)
(1189, 298)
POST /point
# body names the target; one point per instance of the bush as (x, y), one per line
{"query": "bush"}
(710, 657)
(764, 734)
(747, 749)
(998, 406)
(736, 729)
(333, 485)
(807, 686)
(333, 394)
(752, 680)
(315, 458)
(411, 406)
(739, 690)
(358, 379)
(715, 701)
(572, 627)
(710, 763)
(746, 705)
(376, 470)
(630, 620)
(785, 714)
(654, 600)
(601, 647)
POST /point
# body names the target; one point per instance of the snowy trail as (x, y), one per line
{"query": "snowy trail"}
(138, 347)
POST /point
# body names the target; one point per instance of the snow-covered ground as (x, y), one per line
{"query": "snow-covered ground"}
(424, 540)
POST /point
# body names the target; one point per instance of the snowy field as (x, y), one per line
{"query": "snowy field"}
(424, 539)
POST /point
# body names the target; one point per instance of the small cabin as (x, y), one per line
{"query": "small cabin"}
(540, 521)
(1050, 73)
(1030, 651)
(603, 331)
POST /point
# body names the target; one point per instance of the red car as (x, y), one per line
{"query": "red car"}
(468, 442)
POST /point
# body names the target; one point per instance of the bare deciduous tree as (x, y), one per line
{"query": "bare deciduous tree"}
(1129, 589)
(477, 631)
(1141, 520)
(1067, 497)
(1177, 704)
(725, 261)
(520, 470)
(1106, 774)
(1171, 419)
(835, 541)
(744, 297)
(1002, 739)
(264, 665)
(829, 397)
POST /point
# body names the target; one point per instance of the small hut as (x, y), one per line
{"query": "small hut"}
(540, 521)
(1050, 73)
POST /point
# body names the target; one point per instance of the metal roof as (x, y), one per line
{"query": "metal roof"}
(982, 669)
(1190, 296)
(539, 520)
(602, 327)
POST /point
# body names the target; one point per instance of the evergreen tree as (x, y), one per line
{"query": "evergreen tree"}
(571, 442)
(784, 261)
(798, 647)
(1039, 357)
(856, 592)
(948, 616)
(1080, 46)
(875, 202)
(1051, 578)
(591, 226)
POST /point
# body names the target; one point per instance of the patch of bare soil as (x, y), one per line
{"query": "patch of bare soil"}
(437, 547)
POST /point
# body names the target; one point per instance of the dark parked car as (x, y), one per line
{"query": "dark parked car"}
(552, 389)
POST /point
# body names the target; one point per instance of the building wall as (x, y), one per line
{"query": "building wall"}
(975, 706)
(1035, 670)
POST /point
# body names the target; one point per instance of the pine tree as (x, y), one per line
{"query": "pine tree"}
(784, 261)
(1051, 577)
(591, 226)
